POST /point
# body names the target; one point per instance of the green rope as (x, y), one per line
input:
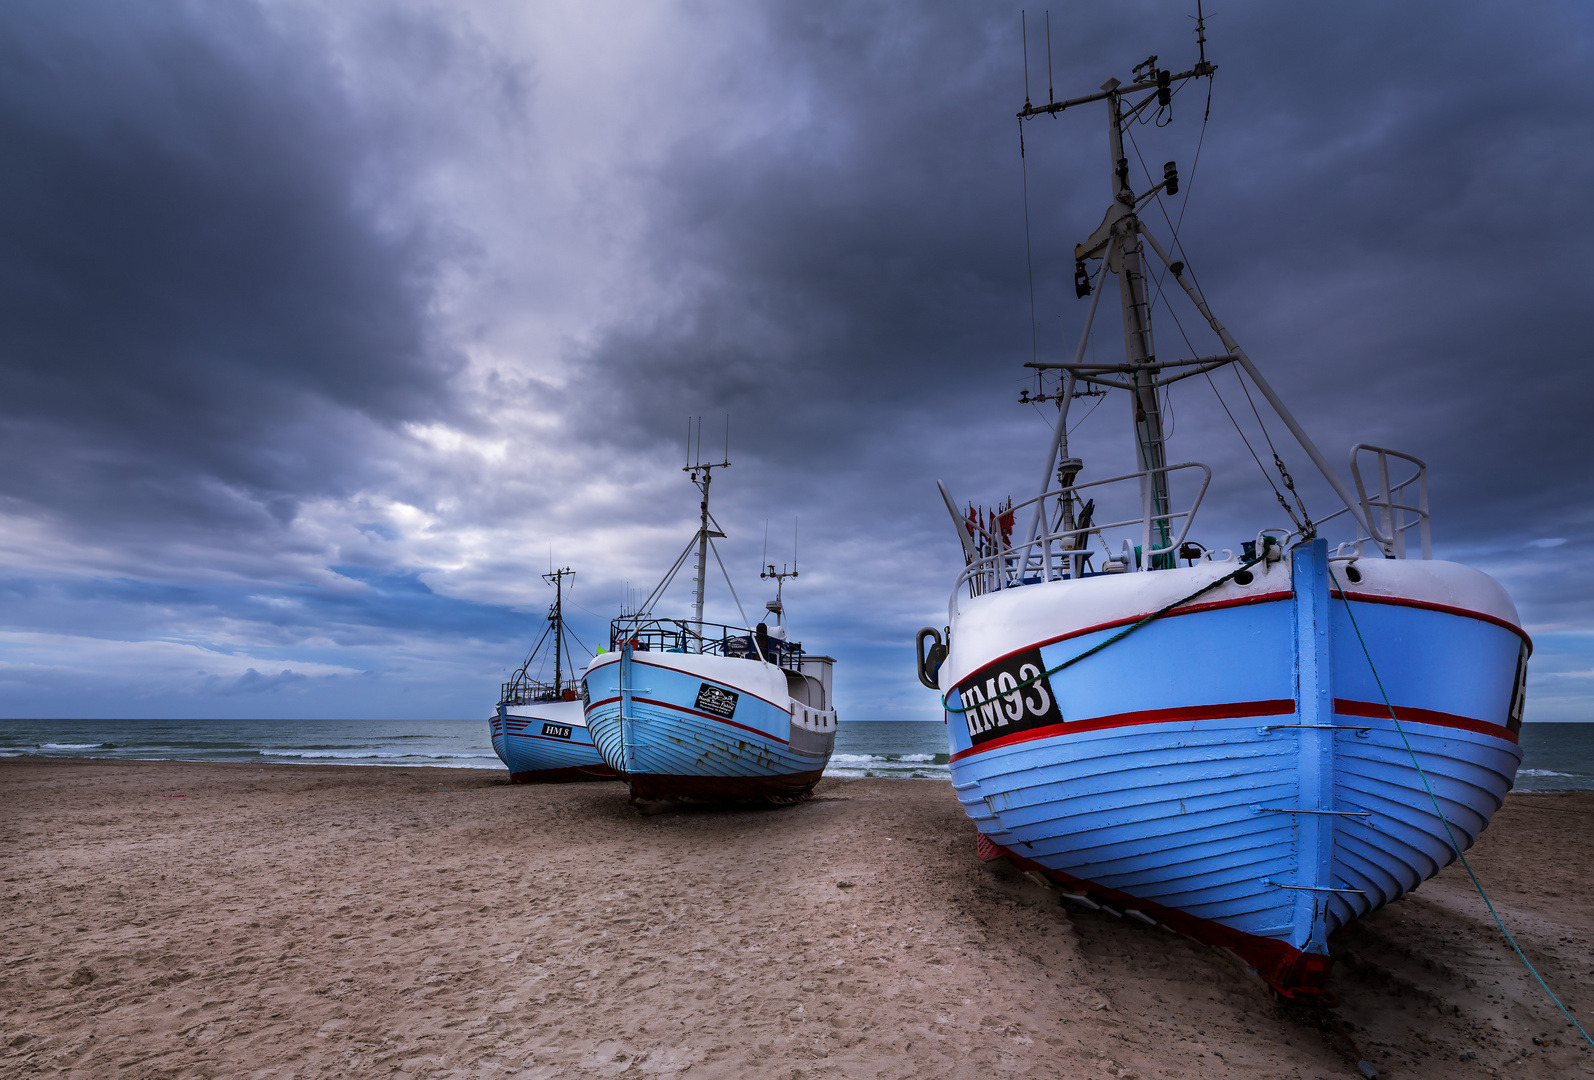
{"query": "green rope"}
(1267, 542)
(1452, 836)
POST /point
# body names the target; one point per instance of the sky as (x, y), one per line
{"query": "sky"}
(326, 329)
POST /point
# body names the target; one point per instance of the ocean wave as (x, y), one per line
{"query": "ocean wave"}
(70, 746)
(365, 754)
(889, 766)
(1548, 772)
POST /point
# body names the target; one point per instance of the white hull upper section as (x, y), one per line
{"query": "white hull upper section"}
(988, 626)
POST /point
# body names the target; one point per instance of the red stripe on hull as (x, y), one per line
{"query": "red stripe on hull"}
(1186, 714)
(567, 775)
(1401, 601)
(660, 787)
(1408, 715)
(544, 738)
(707, 679)
(1287, 969)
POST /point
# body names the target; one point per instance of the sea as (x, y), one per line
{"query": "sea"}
(1555, 757)
(907, 749)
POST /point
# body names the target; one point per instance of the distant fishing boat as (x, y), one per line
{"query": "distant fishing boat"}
(540, 729)
(691, 710)
(1254, 750)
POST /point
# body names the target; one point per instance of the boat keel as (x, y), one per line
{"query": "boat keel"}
(1290, 971)
(569, 774)
(779, 790)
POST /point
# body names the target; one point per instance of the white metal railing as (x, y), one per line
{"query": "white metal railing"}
(997, 563)
(1387, 508)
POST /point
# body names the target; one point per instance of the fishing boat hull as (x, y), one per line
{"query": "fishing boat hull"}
(1230, 769)
(703, 727)
(547, 742)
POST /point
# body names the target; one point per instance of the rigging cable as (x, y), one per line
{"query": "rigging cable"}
(1303, 523)
(583, 644)
(1449, 833)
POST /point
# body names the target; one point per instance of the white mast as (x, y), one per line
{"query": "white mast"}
(556, 578)
(704, 532)
(1117, 243)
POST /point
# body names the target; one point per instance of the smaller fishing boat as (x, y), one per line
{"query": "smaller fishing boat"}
(540, 729)
(685, 709)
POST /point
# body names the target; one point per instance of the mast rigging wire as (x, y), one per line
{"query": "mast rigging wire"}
(578, 641)
(1303, 523)
(728, 584)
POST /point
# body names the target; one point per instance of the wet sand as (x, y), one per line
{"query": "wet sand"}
(297, 921)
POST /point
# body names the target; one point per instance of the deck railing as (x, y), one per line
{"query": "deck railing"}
(1060, 552)
(1387, 509)
(647, 634)
(523, 690)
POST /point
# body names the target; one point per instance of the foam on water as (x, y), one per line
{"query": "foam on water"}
(895, 749)
(1556, 757)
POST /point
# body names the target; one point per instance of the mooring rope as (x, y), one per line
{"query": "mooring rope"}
(1345, 598)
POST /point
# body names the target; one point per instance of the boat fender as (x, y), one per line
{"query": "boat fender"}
(930, 662)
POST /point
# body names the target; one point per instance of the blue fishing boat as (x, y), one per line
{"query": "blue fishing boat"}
(539, 729)
(686, 709)
(1251, 749)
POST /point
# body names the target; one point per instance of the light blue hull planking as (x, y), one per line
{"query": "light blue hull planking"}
(1233, 771)
(657, 734)
(533, 753)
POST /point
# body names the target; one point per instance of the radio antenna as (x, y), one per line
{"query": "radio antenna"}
(768, 571)
(702, 473)
(1049, 96)
(1023, 35)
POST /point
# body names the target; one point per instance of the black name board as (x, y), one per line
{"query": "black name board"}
(715, 700)
(1008, 696)
(556, 731)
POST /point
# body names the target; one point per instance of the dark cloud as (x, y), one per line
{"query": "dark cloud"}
(226, 311)
(200, 316)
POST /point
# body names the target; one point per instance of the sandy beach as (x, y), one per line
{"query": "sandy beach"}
(298, 921)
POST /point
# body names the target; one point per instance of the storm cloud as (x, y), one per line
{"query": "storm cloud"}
(324, 329)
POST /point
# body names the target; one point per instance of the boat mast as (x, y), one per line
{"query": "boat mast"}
(1139, 352)
(1117, 242)
(556, 578)
(704, 532)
